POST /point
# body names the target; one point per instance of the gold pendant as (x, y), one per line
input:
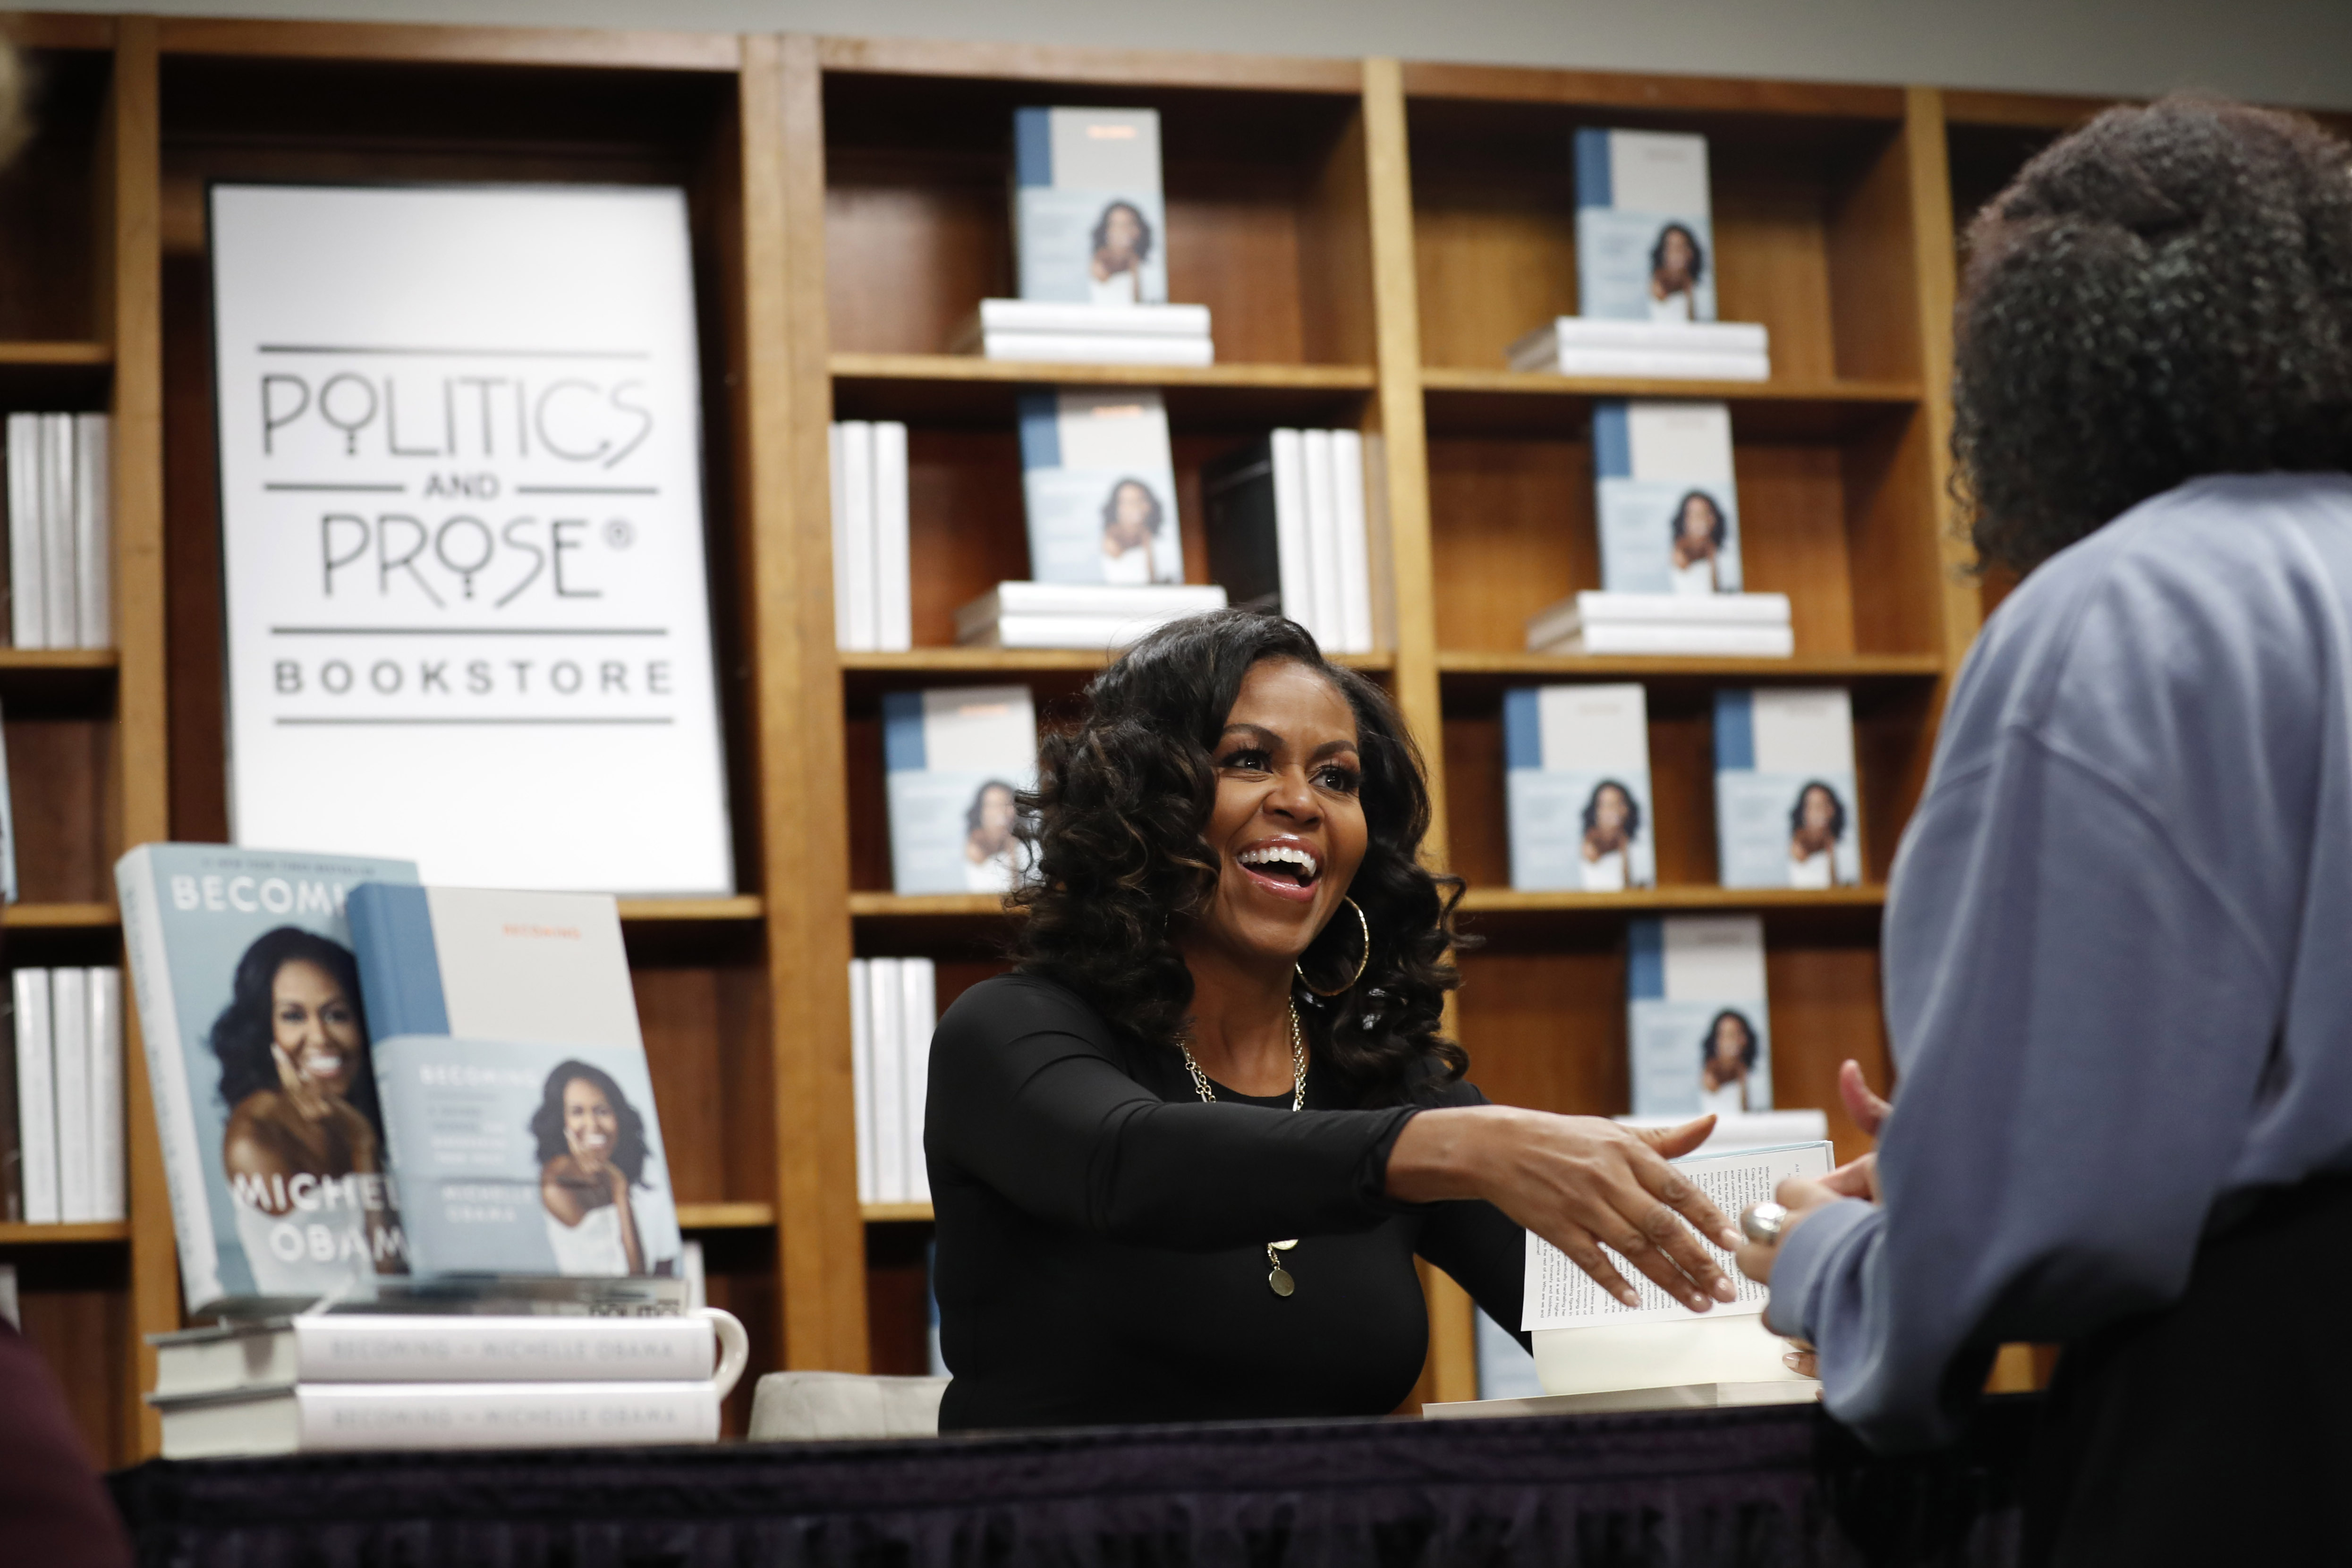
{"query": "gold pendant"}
(1279, 1279)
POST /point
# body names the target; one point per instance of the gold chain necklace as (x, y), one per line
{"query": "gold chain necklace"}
(1277, 1278)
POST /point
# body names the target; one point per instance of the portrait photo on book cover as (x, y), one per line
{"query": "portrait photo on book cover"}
(1669, 535)
(993, 850)
(302, 1145)
(1728, 1058)
(1820, 832)
(1119, 249)
(1580, 830)
(1636, 265)
(1788, 830)
(592, 1154)
(1695, 1058)
(1092, 246)
(1698, 533)
(1132, 518)
(1678, 267)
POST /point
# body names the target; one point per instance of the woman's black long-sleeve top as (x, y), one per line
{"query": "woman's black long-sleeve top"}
(1101, 1254)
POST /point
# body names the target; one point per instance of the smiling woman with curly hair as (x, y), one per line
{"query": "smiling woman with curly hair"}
(1184, 1156)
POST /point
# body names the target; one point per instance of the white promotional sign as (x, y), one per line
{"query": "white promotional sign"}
(461, 518)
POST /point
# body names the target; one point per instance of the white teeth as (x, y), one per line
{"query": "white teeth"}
(1281, 854)
(325, 1066)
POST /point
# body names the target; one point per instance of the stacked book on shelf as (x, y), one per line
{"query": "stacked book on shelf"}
(1289, 532)
(1088, 334)
(60, 531)
(1090, 249)
(373, 1097)
(1668, 512)
(873, 576)
(1646, 268)
(1077, 614)
(61, 1132)
(893, 1008)
(954, 761)
(331, 1381)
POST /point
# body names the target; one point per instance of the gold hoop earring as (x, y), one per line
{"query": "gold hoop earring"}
(1361, 963)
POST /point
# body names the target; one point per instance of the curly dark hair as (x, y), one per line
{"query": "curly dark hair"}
(629, 1151)
(1674, 524)
(241, 1037)
(1101, 235)
(1633, 807)
(1698, 252)
(1837, 809)
(1151, 524)
(2165, 293)
(1746, 1032)
(1117, 821)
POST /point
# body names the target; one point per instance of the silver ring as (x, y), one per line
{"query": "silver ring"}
(1763, 1222)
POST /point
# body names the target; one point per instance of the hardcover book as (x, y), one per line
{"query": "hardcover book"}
(1786, 804)
(954, 760)
(1288, 532)
(1088, 224)
(1100, 487)
(1695, 1019)
(1576, 787)
(521, 1156)
(257, 1060)
(1669, 513)
(1644, 230)
(492, 963)
(339, 1417)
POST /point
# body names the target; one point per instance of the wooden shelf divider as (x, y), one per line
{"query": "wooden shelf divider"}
(110, 1230)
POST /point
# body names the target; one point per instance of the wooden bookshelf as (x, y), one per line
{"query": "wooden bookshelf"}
(1368, 235)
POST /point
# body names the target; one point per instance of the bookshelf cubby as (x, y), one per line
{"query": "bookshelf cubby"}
(1369, 235)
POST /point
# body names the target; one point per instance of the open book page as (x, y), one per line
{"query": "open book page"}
(1560, 1295)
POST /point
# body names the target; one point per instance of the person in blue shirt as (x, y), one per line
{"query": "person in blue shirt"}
(2118, 936)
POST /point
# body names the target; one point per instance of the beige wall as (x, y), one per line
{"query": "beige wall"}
(2282, 51)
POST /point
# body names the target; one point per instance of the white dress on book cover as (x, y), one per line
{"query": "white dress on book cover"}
(1119, 288)
(594, 1246)
(1605, 873)
(1675, 307)
(1814, 870)
(1697, 578)
(994, 874)
(1129, 568)
(1729, 1100)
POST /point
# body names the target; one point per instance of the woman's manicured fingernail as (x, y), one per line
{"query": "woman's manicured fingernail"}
(1732, 1240)
(1629, 1298)
(1725, 1291)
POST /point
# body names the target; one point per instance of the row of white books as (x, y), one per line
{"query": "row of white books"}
(1088, 334)
(60, 531)
(329, 1381)
(61, 1149)
(893, 1008)
(1077, 614)
(1725, 625)
(1289, 532)
(873, 583)
(1579, 805)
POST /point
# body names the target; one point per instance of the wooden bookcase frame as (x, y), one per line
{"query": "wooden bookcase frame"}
(1370, 234)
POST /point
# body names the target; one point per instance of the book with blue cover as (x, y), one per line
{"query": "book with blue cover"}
(1696, 1023)
(517, 1101)
(1576, 787)
(1099, 485)
(1668, 509)
(954, 760)
(1644, 226)
(258, 1064)
(1088, 224)
(1786, 792)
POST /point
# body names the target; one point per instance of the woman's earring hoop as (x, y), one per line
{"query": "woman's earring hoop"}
(1361, 963)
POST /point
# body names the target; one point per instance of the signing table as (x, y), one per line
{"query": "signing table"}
(1771, 1485)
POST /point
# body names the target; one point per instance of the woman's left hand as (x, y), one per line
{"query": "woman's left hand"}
(1856, 1179)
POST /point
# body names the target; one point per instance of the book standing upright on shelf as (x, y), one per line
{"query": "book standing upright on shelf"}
(1576, 787)
(257, 1045)
(1696, 1016)
(1099, 486)
(894, 1008)
(1088, 224)
(1668, 508)
(1644, 226)
(1287, 532)
(954, 760)
(518, 1106)
(1787, 810)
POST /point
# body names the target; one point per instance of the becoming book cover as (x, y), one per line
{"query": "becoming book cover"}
(512, 1070)
(1668, 509)
(953, 761)
(1576, 787)
(1087, 221)
(1100, 487)
(1695, 1019)
(1785, 789)
(1644, 229)
(258, 1060)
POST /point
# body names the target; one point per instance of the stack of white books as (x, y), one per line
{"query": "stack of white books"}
(873, 583)
(1656, 350)
(893, 1008)
(1088, 334)
(1095, 616)
(1722, 625)
(1289, 532)
(60, 531)
(61, 1149)
(337, 1381)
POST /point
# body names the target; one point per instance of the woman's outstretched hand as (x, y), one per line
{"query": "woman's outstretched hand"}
(1579, 1182)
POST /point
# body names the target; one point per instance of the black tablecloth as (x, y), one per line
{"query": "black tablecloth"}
(1757, 1487)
